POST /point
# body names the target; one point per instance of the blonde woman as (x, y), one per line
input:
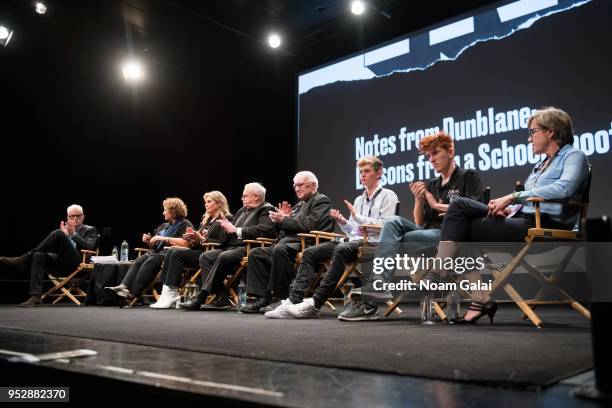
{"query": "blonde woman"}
(146, 266)
(209, 231)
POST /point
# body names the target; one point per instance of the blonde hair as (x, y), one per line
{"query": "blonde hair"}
(176, 207)
(376, 163)
(220, 199)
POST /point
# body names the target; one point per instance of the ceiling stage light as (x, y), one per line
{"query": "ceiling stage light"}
(274, 40)
(133, 71)
(5, 35)
(357, 7)
(41, 8)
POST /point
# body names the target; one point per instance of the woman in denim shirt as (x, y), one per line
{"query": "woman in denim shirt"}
(562, 175)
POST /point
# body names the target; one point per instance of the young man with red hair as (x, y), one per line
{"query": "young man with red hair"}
(431, 200)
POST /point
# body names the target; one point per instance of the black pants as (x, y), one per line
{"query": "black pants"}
(54, 252)
(215, 267)
(340, 253)
(176, 260)
(270, 268)
(466, 221)
(143, 271)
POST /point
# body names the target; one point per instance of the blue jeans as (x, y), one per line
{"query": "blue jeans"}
(400, 235)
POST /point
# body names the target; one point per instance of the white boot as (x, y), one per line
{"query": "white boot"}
(169, 298)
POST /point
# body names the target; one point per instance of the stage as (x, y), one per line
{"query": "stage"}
(233, 358)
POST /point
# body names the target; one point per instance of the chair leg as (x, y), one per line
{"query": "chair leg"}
(393, 305)
(328, 304)
(520, 302)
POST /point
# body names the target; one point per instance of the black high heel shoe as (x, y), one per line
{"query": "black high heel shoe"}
(489, 308)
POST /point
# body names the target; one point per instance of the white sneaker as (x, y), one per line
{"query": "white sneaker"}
(280, 312)
(170, 298)
(303, 310)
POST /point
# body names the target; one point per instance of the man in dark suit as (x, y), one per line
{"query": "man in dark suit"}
(269, 270)
(252, 221)
(59, 251)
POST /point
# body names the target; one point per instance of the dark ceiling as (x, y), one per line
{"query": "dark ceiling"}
(187, 35)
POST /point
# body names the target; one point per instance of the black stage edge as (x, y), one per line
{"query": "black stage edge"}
(123, 373)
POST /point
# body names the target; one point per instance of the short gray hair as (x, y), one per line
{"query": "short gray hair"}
(257, 189)
(309, 177)
(74, 207)
(556, 120)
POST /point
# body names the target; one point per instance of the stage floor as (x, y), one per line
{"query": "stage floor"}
(320, 362)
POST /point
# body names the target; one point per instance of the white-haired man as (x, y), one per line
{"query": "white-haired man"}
(269, 270)
(59, 251)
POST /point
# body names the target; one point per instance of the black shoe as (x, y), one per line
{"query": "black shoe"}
(17, 262)
(220, 303)
(360, 311)
(489, 308)
(117, 295)
(195, 303)
(254, 307)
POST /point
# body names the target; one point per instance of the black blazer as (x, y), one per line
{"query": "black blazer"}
(255, 224)
(215, 233)
(309, 215)
(86, 237)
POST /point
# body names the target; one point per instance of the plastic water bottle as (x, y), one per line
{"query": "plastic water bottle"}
(125, 250)
(242, 296)
(115, 253)
(348, 287)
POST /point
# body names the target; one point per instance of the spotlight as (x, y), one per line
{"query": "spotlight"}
(133, 71)
(41, 8)
(357, 7)
(274, 40)
(5, 35)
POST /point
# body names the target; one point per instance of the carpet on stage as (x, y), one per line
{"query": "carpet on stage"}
(511, 352)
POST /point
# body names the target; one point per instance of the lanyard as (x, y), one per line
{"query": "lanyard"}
(369, 201)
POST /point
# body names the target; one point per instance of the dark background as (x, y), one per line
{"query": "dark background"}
(217, 111)
(562, 60)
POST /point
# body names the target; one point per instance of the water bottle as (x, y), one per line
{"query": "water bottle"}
(115, 253)
(348, 287)
(242, 296)
(125, 249)
(453, 305)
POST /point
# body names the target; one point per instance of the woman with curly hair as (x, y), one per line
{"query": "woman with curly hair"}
(145, 267)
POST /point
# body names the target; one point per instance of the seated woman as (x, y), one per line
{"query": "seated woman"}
(562, 175)
(178, 258)
(146, 266)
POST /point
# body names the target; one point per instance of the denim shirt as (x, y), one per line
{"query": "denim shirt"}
(564, 178)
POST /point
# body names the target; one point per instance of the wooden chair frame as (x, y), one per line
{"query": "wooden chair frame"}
(68, 285)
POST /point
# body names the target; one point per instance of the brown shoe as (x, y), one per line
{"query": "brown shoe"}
(17, 262)
(33, 301)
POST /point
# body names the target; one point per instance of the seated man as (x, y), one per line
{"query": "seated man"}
(431, 200)
(252, 221)
(372, 207)
(270, 268)
(59, 251)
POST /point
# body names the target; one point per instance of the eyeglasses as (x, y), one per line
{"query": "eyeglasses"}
(532, 131)
(300, 185)
(75, 216)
